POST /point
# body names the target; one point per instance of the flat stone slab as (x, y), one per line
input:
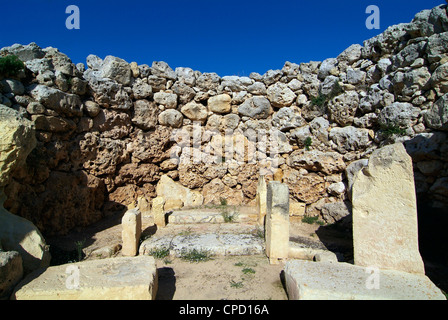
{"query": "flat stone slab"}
(222, 244)
(124, 278)
(210, 215)
(307, 280)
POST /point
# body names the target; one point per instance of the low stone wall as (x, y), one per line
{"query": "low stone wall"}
(109, 133)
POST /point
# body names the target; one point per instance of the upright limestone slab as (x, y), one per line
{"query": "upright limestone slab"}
(385, 230)
(261, 199)
(132, 229)
(158, 211)
(277, 221)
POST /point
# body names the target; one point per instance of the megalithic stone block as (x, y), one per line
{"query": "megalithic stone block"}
(158, 211)
(385, 230)
(132, 229)
(261, 199)
(277, 222)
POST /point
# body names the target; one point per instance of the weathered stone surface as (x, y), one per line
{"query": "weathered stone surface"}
(385, 212)
(11, 272)
(307, 188)
(125, 278)
(221, 244)
(162, 69)
(171, 118)
(158, 211)
(280, 95)
(307, 280)
(349, 138)
(167, 99)
(399, 114)
(437, 116)
(17, 140)
(257, 108)
(19, 234)
(116, 69)
(145, 114)
(343, 108)
(195, 111)
(220, 103)
(169, 189)
(277, 221)
(68, 104)
(261, 199)
(315, 160)
(333, 212)
(287, 118)
(132, 229)
(216, 190)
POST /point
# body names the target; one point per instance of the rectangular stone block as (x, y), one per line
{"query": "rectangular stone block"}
(308, 280)
(158, 211)
(385, 229)
(132, 229)
(261, 199)
(125, 278)
(277, 221)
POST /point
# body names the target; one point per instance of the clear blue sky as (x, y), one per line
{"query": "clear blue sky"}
(229, 37)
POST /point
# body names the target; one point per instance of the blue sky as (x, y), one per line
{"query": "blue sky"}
(227, 37)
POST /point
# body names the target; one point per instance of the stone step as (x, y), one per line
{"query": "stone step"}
(125, 278)
(216, 242)
(213, 215)
(307, 280)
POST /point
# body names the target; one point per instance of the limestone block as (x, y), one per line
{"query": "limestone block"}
(11, 272)
(132, 229)
(296, 209)
(307, 280)
(385, 230)
(158, 211)
(277, 221)
(124, 278)
(21, 235)
(169, 189)
(261, 199)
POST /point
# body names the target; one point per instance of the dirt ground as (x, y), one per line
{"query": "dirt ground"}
(223, 277)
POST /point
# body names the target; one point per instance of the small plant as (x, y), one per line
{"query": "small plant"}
(308, 142)
(228, 216)
(393, 128)
(319, 100)
(79, 246)
(248, 271)
(10, 66)
(312, 220)
(223, 201)
(239, 264)
(195, 255)
(160, 253)
(236, 285)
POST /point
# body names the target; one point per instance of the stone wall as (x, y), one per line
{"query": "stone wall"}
(109, 132)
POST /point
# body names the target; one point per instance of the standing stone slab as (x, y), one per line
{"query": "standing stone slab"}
(277, 221)
(132, 229)
(385, 230)
(124, 278)
(158, 211)
(261, 199)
